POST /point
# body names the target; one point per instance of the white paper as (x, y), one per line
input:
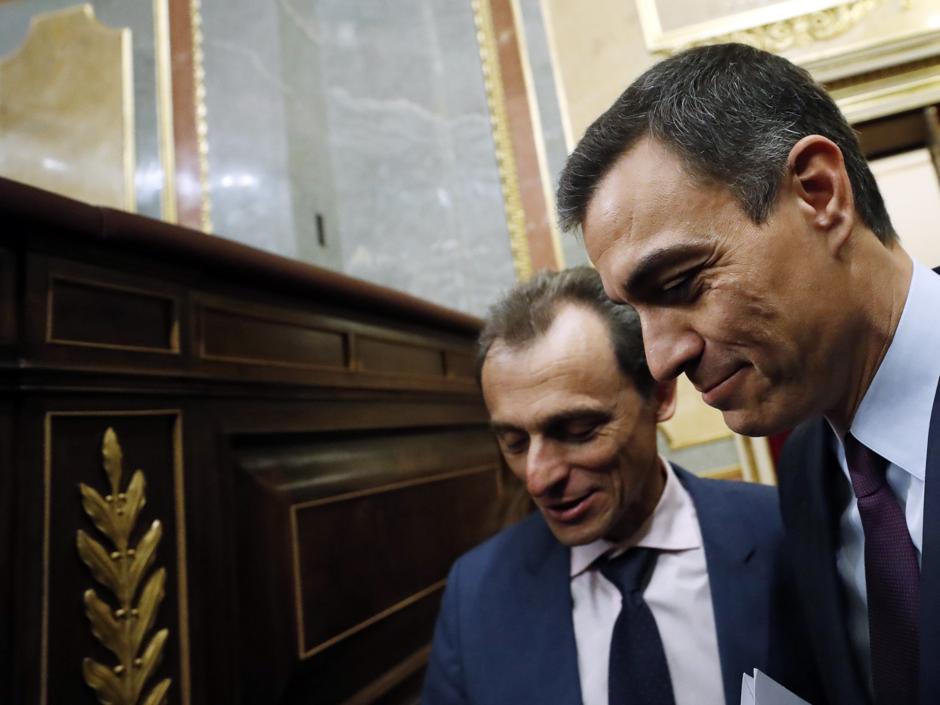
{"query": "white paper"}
(761, 689)
(747, 690)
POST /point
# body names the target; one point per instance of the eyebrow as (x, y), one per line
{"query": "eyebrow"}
(559, 419)
(654, 262)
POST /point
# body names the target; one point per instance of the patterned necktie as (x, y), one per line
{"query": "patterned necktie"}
(638, 673)
(892, 576)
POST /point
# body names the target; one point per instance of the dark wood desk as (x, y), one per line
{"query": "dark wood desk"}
(314, 447)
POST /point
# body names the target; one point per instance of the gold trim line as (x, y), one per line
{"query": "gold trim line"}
(202, 127)
(499, 119)
(397, 607)
(164, 80)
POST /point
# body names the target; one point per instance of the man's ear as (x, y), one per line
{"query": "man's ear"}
(664, 394)
(819, 181)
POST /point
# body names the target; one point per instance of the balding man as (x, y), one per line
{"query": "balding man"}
(635, 581)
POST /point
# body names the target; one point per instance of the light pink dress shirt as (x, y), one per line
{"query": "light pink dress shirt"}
(678, 595)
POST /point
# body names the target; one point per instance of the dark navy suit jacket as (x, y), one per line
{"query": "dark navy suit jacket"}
(505, 634)
(813, 493)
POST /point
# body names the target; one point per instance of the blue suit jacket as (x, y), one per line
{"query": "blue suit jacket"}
(812, 495)
(505, 634)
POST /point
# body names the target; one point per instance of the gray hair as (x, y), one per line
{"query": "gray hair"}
(732, 113)
(528, 310)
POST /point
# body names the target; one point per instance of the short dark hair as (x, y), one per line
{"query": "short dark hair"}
(528, 310)
(732, 113)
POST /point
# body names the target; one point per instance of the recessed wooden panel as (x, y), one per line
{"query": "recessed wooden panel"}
(7, 296)
(389, 356)
(397, 649)
(236, 337)
(97, 314)
(412, 536)
(8, 573)
(346, 541)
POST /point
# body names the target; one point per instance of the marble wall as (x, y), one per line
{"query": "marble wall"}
(545, 87)
(248, 96)
(417, 186)
(372, 117)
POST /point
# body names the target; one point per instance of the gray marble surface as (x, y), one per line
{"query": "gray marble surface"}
(248, 145)
(418, 198)
(372, 116)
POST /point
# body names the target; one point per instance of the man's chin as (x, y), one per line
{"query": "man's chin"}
(749, 422)
(569, 536)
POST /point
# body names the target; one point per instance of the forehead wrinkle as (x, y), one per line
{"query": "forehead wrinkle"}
(575, 411)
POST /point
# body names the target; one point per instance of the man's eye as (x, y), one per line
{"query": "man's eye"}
(678, 289)
(513, 442)
(580, 434)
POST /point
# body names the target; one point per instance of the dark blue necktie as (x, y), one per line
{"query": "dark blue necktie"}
(892, 577)
(638, 673)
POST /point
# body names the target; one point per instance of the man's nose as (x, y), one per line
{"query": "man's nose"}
(545, 466)
(670, 343)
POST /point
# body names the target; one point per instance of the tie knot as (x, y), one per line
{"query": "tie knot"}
(866, 468)
(629, 571)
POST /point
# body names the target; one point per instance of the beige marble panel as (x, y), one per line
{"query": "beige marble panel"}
(67, 118)
(694, 421)
(597, 51)
(908, 183)
(675, 14)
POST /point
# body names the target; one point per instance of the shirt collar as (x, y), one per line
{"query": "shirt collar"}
(673, 526)
(894, 416)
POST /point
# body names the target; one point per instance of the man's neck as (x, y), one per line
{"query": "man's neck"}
(633, 521)
(881, 279)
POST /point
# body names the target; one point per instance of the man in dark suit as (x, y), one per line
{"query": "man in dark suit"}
(726, 198)
(635, 581)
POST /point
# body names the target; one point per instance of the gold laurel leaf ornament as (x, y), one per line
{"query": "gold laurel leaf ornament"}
(123, 629)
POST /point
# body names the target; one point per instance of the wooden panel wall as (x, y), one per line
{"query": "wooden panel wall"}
(314, 448)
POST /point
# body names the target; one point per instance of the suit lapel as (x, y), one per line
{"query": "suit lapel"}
(815, 493)
(930, 565)
(738, 583)
(541, 627)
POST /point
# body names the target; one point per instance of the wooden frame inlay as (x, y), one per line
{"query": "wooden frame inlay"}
(303, 651)
(173, 334)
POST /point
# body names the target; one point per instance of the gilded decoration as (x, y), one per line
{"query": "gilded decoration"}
(202, 127)
(508, 174)
(124, 629)
(876, 57)
(804, 30)
(67, 123)
(164, 79)
(773, 26)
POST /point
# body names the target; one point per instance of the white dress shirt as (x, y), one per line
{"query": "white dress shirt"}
(678, 595)
(893, 420)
